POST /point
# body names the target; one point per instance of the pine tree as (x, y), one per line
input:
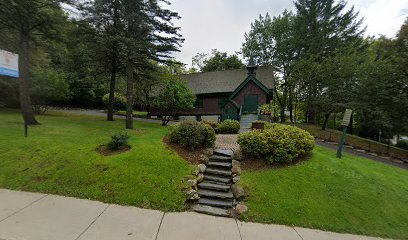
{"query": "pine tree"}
(26, 18)
(149, 37)
(322, 26)
(106, 17)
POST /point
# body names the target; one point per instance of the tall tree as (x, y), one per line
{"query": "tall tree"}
(105, 17)
(382, 92)
(271, 42)
(322, 26)
(217, 61)
(150, 37)
(28, 18)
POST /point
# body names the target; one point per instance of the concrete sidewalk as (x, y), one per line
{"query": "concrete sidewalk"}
(35, 216)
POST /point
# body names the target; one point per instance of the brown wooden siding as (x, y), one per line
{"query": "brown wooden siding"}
(251, 88)
(210, 107)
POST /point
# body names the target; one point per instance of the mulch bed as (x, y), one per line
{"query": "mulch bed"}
(191, 156)
(102, 149)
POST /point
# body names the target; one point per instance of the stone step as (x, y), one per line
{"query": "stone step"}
(222, 158)
(214, 186)
(216, 211)
(215, 194)
(216, 178)
(223, 152)
(215, 202)
(213, 163)
(218, 171)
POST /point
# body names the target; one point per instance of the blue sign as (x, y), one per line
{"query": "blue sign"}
(9, 64)
(9, 72)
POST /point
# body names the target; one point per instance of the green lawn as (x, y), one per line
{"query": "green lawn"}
(353, 195)
(59, 157)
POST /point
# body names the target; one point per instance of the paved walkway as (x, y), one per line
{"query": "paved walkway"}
(102, 113)
(227, 141)
(36, 216)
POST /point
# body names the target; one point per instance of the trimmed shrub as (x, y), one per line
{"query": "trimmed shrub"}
(118, 140)
(209, 136)
(213, 124)
(137, 114)
(192, 134)
(267, 125)
(228, 126)
(402, 144)
(279, 144)
(120, 100)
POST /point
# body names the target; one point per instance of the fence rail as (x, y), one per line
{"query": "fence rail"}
(357, 142)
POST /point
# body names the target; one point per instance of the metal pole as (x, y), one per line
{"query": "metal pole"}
(25, 128)
(342, 140)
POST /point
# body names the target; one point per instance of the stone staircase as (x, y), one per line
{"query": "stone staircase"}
(246, 122)
(215, 193)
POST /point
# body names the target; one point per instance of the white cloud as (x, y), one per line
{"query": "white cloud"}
(221, 24)
(382, 16)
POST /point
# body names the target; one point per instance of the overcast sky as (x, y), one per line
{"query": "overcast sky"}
(221, 24)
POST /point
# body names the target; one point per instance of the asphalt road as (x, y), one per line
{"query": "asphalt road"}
(388, 161)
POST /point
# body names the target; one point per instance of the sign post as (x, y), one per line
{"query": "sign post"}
(9, 64)
(345, 123)
(9, 67)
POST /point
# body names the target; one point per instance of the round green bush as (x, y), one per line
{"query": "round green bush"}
(267, 125)
(192, 134)
(402, 144)
(212, 123)
(228, 126)
(120, 100)
(279, 144)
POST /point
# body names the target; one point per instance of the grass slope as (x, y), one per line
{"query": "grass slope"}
(59, 157)
(353, 195)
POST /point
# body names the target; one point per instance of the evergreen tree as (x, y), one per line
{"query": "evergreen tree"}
(27, 18)
(106, 16)
(322, 26)
(149, 37)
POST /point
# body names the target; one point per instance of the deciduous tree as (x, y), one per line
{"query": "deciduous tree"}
(173, 97)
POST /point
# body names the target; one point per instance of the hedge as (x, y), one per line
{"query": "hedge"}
(192, 134)
(279, 144)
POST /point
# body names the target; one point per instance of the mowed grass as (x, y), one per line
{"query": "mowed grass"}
(59, 157)
(352, 195)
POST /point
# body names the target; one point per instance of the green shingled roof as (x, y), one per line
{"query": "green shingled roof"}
(225, 81)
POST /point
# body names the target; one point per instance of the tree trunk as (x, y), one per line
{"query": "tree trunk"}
(25, 78)
(296, 105)
(326, 120)
(114, 66)
(281, 105)
(290, 104)
(129, 95)
(165, 120)
(311, 118)
(112, 86)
